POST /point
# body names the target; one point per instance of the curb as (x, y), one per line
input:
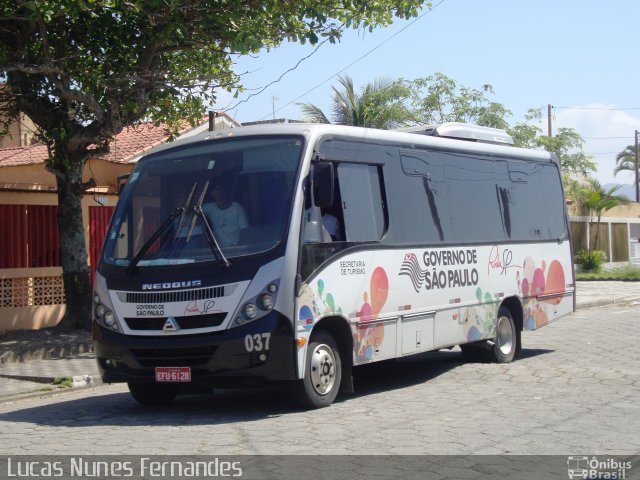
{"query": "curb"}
(600, 303)
(46, 353)
(95, 383)
(77, 380)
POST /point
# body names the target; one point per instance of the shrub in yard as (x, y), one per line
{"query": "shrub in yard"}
(590, 261)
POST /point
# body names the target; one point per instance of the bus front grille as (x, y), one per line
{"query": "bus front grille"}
(177, 295)
(183, 323)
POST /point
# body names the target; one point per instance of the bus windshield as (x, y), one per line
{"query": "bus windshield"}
(206, 201)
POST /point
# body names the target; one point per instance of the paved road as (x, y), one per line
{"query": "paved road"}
(575, 391)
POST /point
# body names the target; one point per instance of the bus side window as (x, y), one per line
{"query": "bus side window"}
(535, 192)
(473, 200)
(423, 188)
(362, 202)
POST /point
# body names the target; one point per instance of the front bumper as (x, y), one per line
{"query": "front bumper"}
(237, 355)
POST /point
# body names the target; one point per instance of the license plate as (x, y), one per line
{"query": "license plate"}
(173, 374)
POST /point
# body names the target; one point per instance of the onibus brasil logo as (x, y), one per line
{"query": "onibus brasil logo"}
(596, 468)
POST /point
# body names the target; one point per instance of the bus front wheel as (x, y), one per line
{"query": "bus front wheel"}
(323, 371)
(153, 394)
(506, 341)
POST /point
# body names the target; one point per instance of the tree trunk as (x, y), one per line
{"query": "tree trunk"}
(597, 238)
(73, 248)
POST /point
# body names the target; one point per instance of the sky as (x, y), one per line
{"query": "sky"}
(580, 56)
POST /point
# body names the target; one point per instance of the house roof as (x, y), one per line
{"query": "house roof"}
(13, 157)
(125, 147)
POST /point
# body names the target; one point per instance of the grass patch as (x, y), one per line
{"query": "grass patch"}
(63, 382)
(631, 274)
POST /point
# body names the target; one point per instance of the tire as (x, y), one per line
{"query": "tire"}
(153, 394)
(322, 373)
(506, 341)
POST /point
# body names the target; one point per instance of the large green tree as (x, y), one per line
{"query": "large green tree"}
(567, 144)
(428, 100)
(437, 99)
(82, 70)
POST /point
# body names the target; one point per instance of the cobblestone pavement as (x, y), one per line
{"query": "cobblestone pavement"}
(45, 355)
(575, 391)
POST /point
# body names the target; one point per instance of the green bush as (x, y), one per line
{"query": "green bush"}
(590, 261)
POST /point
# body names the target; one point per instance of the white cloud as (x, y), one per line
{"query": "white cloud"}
(606, 132)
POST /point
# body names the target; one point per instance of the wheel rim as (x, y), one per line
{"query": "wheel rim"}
(323, 369)
(505, 335)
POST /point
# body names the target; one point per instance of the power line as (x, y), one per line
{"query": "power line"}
(359, 58)
(605, 138)
(602, 153)
(279, 78)
(597, 108)
(332, 76)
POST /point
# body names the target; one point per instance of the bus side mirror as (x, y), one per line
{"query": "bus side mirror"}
(121, 181)
(323, 183)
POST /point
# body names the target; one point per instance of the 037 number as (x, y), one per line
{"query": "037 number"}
(257, 343)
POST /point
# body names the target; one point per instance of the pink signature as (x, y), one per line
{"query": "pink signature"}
(500, 262)
(196, 307)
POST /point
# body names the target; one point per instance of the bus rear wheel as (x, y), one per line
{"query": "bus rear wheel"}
(153, 394)
(506, 341)
(323, 372)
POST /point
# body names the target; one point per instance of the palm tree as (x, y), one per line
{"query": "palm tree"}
(379, 105)
(626, 160)
(596, 200)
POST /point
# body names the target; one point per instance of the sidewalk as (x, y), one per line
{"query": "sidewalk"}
(32, 361)
(594, 294)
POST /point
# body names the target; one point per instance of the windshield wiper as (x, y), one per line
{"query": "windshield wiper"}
(183, 211)
(208, 231)
(163, 228)
(187, 206)
(131, 268)
(198, 205)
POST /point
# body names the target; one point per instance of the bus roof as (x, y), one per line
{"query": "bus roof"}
(408, 139)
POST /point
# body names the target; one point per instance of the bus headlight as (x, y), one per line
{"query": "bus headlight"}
(103, 313)
(100, 311)
(266, 301)
(250, 311)
(105, 317)
(257, 306)
(109, 319)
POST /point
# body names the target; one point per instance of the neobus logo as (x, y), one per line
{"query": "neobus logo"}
(170, 285)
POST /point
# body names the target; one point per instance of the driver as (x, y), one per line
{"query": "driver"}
(226, 216)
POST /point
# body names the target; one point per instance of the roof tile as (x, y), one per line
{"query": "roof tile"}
(128, 144)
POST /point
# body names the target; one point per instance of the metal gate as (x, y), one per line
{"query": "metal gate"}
(99, 218)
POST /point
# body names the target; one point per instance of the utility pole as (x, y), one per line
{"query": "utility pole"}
(636, 170)
(549, 130)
